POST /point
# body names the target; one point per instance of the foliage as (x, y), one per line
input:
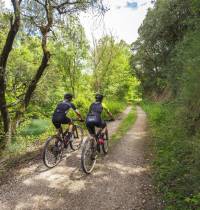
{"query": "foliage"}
(35, 128)
(166, 61)
(154, 61)
(112, 72)
(176, 157)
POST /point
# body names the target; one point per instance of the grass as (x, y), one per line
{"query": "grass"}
(176, 164)
(124, 126)
(35, 128)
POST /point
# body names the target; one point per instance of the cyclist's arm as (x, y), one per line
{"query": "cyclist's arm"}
(76, 111)
(107, 111)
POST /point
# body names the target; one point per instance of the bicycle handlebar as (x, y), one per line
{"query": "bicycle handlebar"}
(78, 120)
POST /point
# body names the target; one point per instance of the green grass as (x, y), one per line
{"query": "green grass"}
(115, 107)
(176, 164)
(124, 126)
(35, 128)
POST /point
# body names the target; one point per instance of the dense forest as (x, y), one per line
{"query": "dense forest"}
(166, 60)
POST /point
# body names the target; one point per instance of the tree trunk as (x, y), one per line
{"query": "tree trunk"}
(36, 78)
(14, 27)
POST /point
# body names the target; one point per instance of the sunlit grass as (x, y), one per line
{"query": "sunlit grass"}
(124, 126)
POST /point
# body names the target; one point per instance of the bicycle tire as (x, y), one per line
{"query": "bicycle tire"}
(75, 144)
(88, 150)
(55, 146)
(105, 146)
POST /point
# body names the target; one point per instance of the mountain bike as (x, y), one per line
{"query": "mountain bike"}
(55, 145)
(93, 146)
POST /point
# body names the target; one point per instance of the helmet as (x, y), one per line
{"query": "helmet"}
(68, 96)
(99, 97)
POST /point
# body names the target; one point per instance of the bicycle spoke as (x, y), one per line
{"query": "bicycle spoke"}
(88, 156)
(77, 138)
(52, 152)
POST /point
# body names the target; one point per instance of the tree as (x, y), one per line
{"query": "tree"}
(72, 54)
(111, 68)
(14, 27)
(163, 27)
(43, 16)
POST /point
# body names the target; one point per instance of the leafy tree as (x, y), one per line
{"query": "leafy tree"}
(111, 68)
(163, 27)
(42, 16)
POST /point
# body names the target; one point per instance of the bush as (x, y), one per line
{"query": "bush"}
(177, 157)
(35, 128)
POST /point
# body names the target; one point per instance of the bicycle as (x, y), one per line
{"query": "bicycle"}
(55, 145)
(93, 146)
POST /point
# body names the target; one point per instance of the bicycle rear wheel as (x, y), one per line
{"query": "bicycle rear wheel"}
(77, 138)
(88, 155)
(53, 150)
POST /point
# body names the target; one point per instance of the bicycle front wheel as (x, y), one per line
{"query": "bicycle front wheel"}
(105, 146)
(88, 155)
(53, 150)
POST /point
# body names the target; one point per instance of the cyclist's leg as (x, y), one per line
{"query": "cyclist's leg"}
(68, 121)
(103, 125)
(91, 128)
(104, 128)
(57, 125)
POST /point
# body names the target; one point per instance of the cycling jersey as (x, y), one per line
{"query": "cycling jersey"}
(97, 108)
(59, 116)
(94, 117)
(63, 107)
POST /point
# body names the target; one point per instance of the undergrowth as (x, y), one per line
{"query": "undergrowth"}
(177, 157)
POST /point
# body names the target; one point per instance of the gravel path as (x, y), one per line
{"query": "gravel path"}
(121, 180)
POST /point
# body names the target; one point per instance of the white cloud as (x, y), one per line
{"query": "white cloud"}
(122, 21)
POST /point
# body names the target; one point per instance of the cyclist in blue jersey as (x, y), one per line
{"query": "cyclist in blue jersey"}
(94, 118)
(60, 113)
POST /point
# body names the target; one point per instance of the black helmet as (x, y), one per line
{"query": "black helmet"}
(99, 97)
(68, 96)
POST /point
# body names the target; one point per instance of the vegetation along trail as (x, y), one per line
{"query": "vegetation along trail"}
(120, 181)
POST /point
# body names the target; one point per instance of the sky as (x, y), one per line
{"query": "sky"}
(122, 20)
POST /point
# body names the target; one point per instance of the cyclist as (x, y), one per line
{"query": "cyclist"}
(60, 114)
(94, 115)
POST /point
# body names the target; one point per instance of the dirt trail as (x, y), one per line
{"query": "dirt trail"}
(120, 181)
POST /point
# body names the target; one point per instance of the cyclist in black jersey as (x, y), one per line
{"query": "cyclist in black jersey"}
(60, 113)
(94, 118)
